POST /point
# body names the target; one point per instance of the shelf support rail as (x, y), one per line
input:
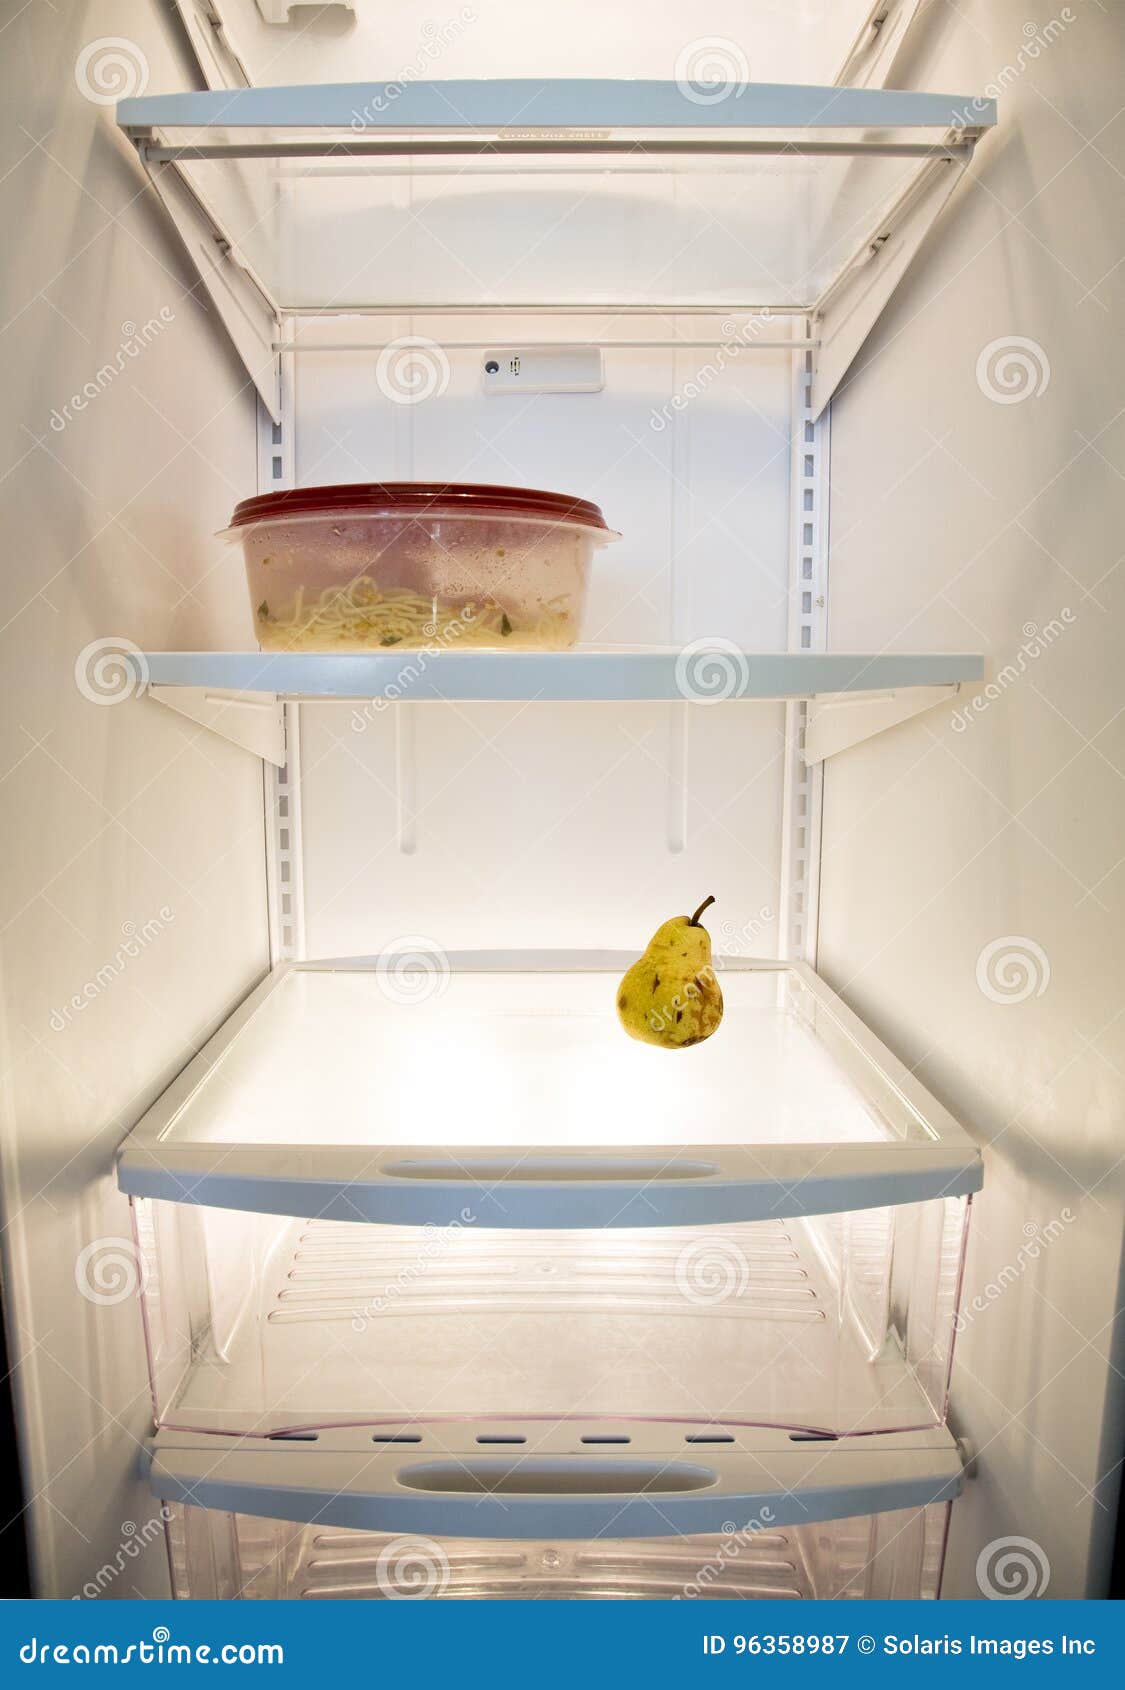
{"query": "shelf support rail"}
(285, 885)
(250, 316)
(848, 309)
(877, 45)
(220, 62)
(807, 632)
(836, 722)
(252, 720)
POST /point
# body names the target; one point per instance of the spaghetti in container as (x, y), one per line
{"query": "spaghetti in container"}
(377, 565)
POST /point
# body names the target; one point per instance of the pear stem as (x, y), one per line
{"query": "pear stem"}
(694, 922)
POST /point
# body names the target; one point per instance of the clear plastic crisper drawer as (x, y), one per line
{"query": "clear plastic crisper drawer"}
(896, 1554)
(828, 1325)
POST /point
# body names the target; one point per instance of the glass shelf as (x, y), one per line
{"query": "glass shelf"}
(707, 672)
(512, 191)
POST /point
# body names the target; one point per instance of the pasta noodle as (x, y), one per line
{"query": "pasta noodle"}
(365, 617)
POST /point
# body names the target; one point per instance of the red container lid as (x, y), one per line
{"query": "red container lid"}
(419, 498)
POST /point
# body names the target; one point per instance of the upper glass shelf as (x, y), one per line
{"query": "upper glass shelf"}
(502, 193)
(567, 114)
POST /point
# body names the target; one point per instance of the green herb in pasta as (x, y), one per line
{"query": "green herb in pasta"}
(362, 616)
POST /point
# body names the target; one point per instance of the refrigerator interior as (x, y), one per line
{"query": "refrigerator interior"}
(467, 826)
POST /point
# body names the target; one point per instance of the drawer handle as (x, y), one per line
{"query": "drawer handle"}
(555, 1476)
(530, 1170)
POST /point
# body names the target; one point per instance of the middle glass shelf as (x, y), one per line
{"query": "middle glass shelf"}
(500, 1084)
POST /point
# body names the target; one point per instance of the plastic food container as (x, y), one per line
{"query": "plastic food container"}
(414, 563)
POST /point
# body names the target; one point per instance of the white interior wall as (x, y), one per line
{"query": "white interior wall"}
(960, 522)
(631, 227)
(132, 843)
(766, 40)
(496, 826)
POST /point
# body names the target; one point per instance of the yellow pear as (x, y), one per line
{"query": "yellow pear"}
(671, 996)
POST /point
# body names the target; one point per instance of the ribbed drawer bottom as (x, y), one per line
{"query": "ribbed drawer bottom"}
(896, 1554)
